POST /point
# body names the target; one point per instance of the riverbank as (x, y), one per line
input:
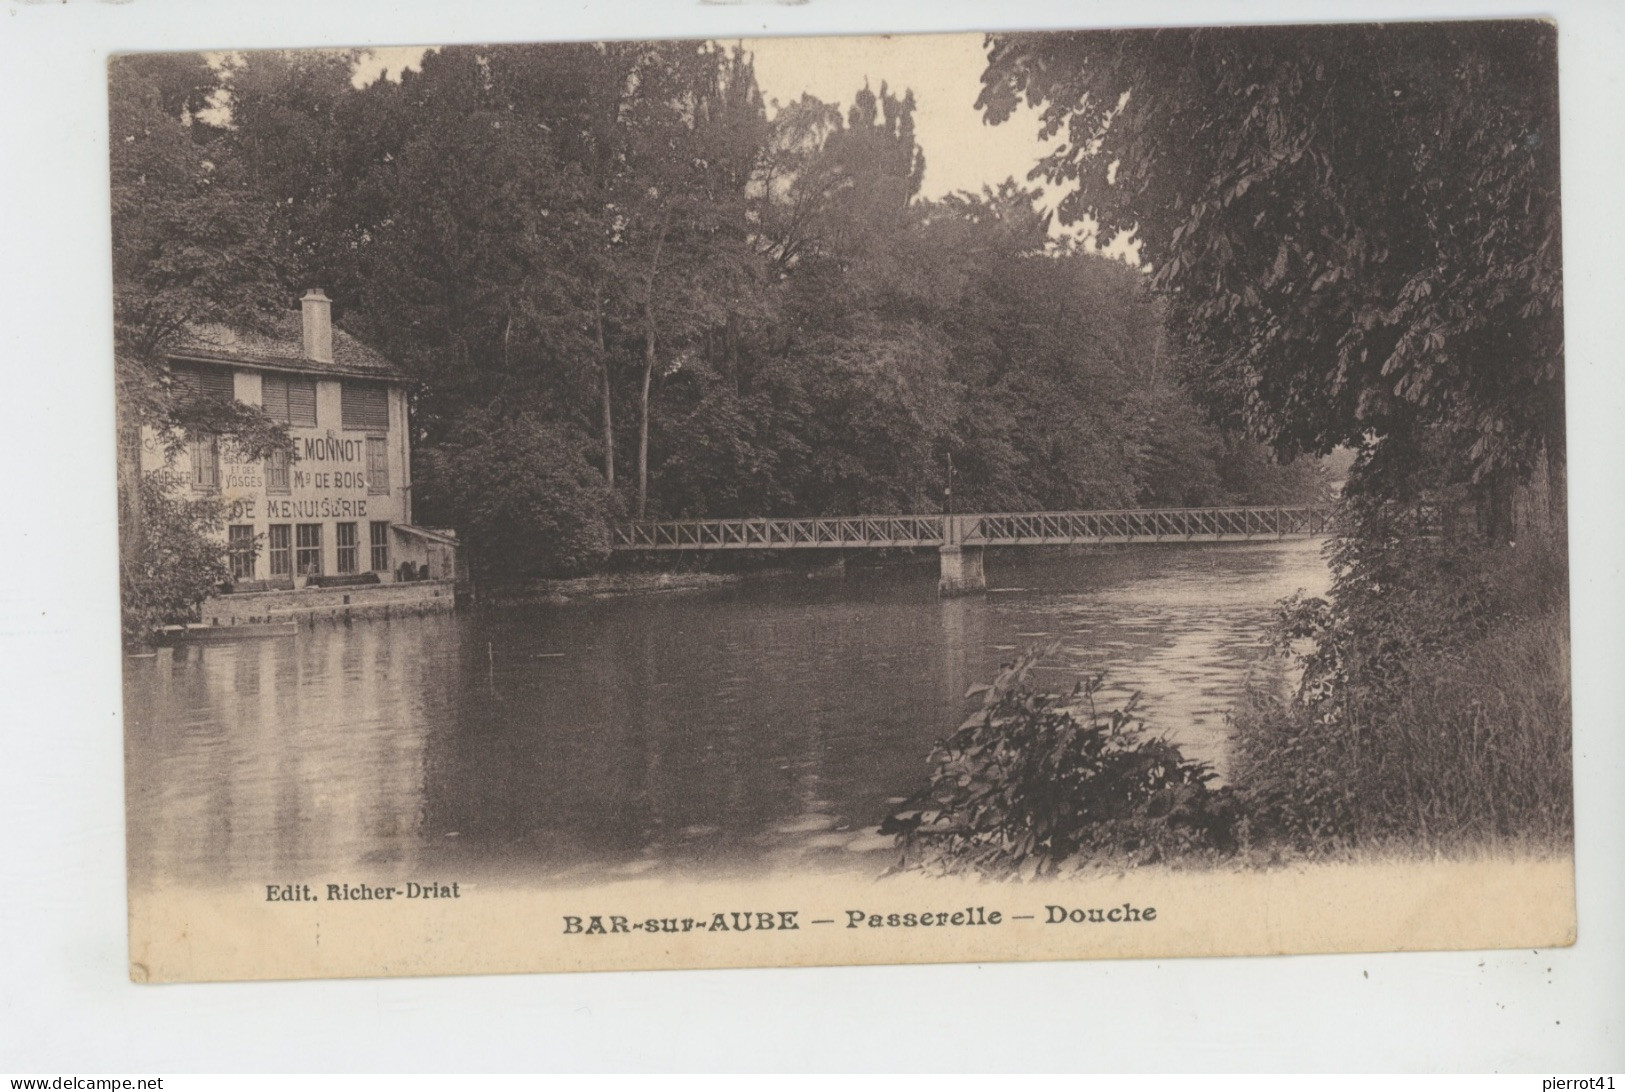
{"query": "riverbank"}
(338, 605)
(560, 593)
(1435, 711)
(616, 585)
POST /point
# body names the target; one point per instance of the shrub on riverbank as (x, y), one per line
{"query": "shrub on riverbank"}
(170, 557)
(520, 493)
(1434, 707)
(1034, 780)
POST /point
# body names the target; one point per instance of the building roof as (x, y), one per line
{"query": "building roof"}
(282, 348)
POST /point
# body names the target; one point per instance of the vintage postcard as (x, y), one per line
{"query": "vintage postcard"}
(672, 504)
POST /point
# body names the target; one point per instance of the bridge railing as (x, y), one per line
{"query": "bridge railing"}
(779, 534)
(1131, 525)
(1005, 529)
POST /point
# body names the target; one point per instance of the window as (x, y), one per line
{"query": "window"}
(206, 384)
(377, 465)
(281, 554)
(206, 463)
(240, 550)
(365, 405)
(348, 551)
(291, 401)
(380, 546)
(276, 472)
(309, 553)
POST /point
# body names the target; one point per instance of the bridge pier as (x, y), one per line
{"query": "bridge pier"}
(962, 572)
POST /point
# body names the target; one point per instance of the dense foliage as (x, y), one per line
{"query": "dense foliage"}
(1032, 781)
(175, 562)
(1434, 698)
(532, 503)
(191, 244)
(1356, 227)
(727, 308)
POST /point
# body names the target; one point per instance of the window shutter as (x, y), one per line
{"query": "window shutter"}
(292, 401)
(213, 384)
(218, 386)
(302, 402)
(274, 397)
(365, 406)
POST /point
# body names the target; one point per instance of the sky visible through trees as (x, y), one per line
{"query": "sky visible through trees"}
(962, 151)
(656, 293)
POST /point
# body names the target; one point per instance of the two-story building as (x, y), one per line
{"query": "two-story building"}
(341, 511)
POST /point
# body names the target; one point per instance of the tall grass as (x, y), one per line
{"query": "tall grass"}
(1435, 710)
(1482, 746)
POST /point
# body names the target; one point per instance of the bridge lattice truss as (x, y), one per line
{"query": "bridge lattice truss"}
(1009, 529)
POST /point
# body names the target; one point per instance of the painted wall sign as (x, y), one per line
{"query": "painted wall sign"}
(332, 449)
(324, 507)
(336, 479)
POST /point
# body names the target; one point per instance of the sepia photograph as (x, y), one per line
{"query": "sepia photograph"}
(718, 502)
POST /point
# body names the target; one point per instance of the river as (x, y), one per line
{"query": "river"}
(734, 730)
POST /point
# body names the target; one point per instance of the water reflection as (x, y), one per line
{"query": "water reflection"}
(751, 727)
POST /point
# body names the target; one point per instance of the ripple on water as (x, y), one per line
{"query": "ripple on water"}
(731, 729)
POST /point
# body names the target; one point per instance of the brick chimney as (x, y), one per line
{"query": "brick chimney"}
(318, 316)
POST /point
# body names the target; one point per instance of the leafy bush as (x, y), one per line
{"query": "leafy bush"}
(521, 494)
(171, 557)
(1034, 780)
(1434, 703)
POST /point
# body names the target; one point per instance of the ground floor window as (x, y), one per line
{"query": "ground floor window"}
(240, 550)
(380, 546)
(348, 547)
(281, 541)
(309, 548)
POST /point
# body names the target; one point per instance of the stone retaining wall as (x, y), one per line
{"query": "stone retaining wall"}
(311, 605)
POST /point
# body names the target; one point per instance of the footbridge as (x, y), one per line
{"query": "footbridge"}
(961, 539)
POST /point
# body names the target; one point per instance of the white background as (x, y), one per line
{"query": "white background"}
(65, 1003)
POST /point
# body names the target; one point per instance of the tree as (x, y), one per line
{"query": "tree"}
(471, 227)
(722, 454)
(299, 158)
(835, 203)
(695, 127)
(1356, 227)
(522, 495)
(190, 243)
(871, 407)
(862, 184)
(558, 228)
(170, 559)
(615, 244)
(190, 246)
